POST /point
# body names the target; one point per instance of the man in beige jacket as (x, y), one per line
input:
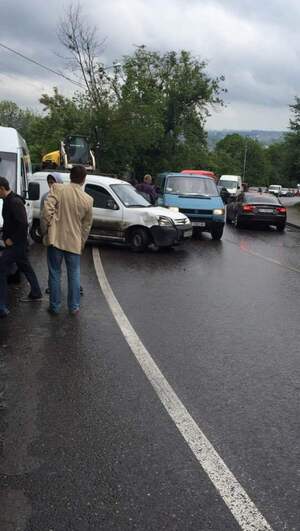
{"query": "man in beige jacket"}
(66, 222)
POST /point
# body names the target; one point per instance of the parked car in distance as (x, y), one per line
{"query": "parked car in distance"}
(275, 189)
(284, 192)
(121, 214)
(256, 208)
(233, 183)
(197, 197)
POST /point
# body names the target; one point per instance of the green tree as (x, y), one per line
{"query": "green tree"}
(150, 113)
(238, 155)
(164, 99)
(291, 158)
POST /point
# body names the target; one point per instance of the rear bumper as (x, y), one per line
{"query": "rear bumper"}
(170, 235)
(263, 219)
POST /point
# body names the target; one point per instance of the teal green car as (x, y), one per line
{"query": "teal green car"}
(197, 197)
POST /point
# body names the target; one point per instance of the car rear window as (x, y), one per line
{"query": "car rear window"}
(261, 198)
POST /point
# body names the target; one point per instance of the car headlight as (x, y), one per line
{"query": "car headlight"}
(173, 209)
(218, 212)
(163, 221)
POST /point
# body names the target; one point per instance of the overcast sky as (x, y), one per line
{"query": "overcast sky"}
(254, 44)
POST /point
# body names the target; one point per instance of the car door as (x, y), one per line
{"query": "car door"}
(107, 214)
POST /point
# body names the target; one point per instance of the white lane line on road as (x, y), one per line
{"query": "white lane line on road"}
(233, 494)
(263, 257)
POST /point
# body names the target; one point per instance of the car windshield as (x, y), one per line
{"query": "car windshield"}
(129, 196)
(77, 149)
(228, 184)
(275, 187)
(262, 198)
(196, 186)
(8, 168)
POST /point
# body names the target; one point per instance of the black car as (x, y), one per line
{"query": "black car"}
(258, 208)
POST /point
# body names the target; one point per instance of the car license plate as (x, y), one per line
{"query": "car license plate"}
(266, 210)
(188, 233)
(198, 223)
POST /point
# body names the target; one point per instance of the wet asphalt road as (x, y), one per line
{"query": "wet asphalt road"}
(87, 444)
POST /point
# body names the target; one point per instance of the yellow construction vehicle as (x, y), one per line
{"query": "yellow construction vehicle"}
(73, 150)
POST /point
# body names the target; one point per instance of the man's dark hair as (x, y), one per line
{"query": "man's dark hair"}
(78, 174)
(4, 183)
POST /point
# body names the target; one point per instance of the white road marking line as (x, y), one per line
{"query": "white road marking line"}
(263, 257)
(235, 497)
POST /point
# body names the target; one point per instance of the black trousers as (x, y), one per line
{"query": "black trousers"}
(17, 254)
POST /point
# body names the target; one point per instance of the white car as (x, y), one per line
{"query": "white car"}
(275, 189)
(121, 214)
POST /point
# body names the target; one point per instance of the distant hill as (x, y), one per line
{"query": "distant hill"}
(264, 137)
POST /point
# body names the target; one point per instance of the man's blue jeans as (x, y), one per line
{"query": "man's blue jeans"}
(55, 257)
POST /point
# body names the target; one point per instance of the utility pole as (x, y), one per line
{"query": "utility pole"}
(245, 159)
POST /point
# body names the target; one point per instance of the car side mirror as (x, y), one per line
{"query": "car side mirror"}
(33, 192)
(112, 205)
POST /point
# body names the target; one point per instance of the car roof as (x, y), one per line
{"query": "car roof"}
(230, 177)
(183, 175)
(258, 194)
(90, 178)
(10, 140)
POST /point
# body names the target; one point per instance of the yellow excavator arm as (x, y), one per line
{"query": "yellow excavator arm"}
(74, 149)
(53, 158)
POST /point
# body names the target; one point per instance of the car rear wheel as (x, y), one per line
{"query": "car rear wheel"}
(138, 240)
(217, 232)
(280, 227)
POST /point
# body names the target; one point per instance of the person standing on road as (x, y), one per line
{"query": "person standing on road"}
(66, 222)
(146, 187)
(15, 233)
(52, 178)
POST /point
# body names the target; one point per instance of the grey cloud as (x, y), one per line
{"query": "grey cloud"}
(254, 44)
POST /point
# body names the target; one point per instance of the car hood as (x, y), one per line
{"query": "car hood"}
(193, 202)
(160, 211)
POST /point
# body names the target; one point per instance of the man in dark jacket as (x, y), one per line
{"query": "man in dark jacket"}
(15, 228)
(146, 187)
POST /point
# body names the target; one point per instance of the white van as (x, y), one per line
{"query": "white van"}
(232, 183)
(275, 189)
(15, 166)
(121, 214)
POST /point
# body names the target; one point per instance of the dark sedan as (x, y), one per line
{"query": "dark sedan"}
(258, 208)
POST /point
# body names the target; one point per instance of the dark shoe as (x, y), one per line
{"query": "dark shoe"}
(32, 298)
(74, 312)
(4, 313)
(81, 290)
(51, 311)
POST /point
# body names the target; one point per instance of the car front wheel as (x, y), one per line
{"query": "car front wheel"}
(35, 232)
(217, 232)
(138, 240)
